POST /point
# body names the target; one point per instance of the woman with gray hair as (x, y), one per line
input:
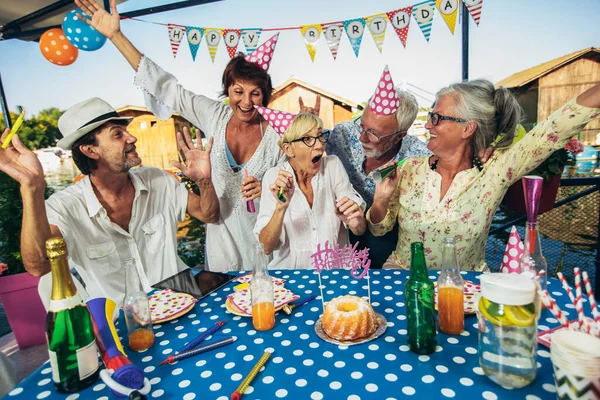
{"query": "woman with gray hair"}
(311, 200)
(451, 193)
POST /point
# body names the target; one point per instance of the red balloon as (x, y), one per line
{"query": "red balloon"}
(56, 48)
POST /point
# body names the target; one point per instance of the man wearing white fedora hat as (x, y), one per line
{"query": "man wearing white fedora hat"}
(116, 212)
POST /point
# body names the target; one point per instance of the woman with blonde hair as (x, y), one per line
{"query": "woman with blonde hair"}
(291, 224)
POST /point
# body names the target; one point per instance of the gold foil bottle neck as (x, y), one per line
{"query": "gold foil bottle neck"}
(62, 282)
(56, 248)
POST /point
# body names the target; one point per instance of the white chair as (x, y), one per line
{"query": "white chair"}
(45, 289)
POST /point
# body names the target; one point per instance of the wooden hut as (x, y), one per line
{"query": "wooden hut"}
(544, 88)
(334, 109)
(157, 144)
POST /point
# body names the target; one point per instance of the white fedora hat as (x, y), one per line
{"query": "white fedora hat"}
(83, 118)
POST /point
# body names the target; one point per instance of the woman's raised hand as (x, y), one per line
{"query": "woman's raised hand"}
(197, 160)
(385, 188)
(251, 188)
(104, 22)
(284, 181)
(350, 213)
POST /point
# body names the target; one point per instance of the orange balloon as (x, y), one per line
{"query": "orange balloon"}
(56, 48)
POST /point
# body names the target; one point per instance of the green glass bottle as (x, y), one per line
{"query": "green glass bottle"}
(69, 327)
(419, 290)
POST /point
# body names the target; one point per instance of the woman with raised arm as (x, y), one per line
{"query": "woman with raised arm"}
(242, 140)
(452, 193)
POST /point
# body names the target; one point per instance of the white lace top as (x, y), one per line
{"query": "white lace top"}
(230, 242)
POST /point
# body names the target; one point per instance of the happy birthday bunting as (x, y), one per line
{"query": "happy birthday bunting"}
(449, 11)
(250, 38)
(213, 38)
(423, 13)
(176, 33)
(377, 25)
(474, 7)
(400, 20)
(333, 34)
(231, 37)
(355, 29)
(194, 37)
(311, 35)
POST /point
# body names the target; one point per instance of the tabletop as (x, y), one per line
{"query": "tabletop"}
(302, 365)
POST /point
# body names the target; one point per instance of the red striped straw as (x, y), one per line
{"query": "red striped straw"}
(592, 299)
(565, 286)
(541, 273)
(583, 326)
(553, 307)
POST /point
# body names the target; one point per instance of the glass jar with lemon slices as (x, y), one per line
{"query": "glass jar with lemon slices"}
(507, 329)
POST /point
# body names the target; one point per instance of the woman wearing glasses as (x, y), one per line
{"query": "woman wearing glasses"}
(311, 199)
(242, 141)
(451, 193)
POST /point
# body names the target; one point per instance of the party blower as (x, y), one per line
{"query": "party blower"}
(380, 175)
(121, 376)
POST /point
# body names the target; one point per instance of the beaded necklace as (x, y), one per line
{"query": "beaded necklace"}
(475, 163)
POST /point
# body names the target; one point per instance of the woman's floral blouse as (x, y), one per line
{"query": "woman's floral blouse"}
(467, 209)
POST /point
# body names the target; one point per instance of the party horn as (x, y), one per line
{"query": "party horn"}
(121, 376)
(249, 203)
(380, 174)
(280, 195)
(14, 128)
(237, 395)
(532, 188)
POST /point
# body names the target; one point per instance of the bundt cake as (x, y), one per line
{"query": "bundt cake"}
(349, 318)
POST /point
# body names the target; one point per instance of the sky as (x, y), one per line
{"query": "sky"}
(513, 35)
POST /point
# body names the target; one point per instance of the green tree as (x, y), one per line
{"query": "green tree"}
(40, 130)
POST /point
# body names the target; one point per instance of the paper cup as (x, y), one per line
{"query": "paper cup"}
(576, 361)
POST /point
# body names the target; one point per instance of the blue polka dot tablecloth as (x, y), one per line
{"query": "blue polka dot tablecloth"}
(302, 365)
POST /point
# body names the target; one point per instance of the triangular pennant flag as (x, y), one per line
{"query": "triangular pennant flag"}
(474, 7)
(423, 13)
(377, 25)
(311, 35)
(400, 20)
(264, 53)
(213, 38)
(194, 37)
(250, 38)
(279, 120)
(355, 29)
(512, 253)
(449, 11)
(176, 33)
(231, 37)
(333, 33)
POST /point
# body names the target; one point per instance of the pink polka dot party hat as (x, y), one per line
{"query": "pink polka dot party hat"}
(513, 253)
(264, 53)
(385, 101)
(279, 120)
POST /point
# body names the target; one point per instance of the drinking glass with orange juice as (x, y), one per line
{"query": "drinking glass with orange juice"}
(451, 317)
(261, 290)
(137, 310)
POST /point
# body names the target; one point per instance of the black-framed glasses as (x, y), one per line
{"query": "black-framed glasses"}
(310, 141)
(373, 137)
(436, 118)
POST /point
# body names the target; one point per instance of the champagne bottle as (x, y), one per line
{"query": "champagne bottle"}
(419, 292)
(69, 327)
